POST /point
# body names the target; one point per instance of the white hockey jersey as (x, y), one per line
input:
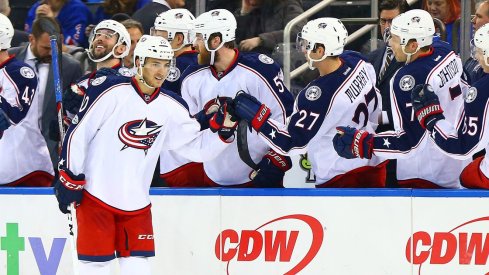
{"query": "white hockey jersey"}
(118, 134)
(346, 96)
(22, 147)
(256, 74)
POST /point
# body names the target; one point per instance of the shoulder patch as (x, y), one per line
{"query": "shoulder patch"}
(174, 74)
(27, 72)
(74, 120)
(99, 80)
(471, 95)
(313, 93)
(125, 72)
(407, 83)
(265, 59)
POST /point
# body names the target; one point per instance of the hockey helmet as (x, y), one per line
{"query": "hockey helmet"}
(216, 21)
(481, 41)
(414, 24)
(123, 38)
(174, 21)
(6, 32)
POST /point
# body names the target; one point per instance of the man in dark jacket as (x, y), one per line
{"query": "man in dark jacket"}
(147, 14)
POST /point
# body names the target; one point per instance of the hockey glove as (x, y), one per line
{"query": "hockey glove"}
(68, 189)
(72, 98)
(250, 109)
(224, 121)
(426, 106)
(208, 112)
(271, 171)
(4, 123)
(352, 143)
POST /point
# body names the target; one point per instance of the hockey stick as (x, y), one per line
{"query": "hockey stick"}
(244, 152)
(59, 109)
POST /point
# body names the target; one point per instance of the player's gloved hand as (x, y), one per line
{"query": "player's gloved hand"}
(271, 170)
(250, 109)
(4, 123)
(72, 98)
(426, 106)
(68, 189)
(208, 112)
(54, 128)
(352, 143)
(224, 121)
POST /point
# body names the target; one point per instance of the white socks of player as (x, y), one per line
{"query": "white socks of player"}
(128, 266)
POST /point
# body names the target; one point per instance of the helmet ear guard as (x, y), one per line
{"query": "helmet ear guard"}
(481, 41)
(327, 31)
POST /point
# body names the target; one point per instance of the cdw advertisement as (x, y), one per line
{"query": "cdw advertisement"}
(256, 234)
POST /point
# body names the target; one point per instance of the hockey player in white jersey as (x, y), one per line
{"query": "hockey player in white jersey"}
(222, 72)
(462, 140)
(426, 62)
(110, 152)
(109, 43)
(344, 93)
(25, 157)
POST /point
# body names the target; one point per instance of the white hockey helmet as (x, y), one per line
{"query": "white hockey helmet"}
(328, 31)
(176, 21)
(6, 32)
(481, 41)
(216, 21)
(123, 38)
(414, 24)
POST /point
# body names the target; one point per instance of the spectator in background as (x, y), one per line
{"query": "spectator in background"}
(148, 13)
(386, 66)
(111, 7)
(72, 15)
(37, 54)
(135, 30)
(447, 11)
(472, 67)
(19, 36)
(261, 23)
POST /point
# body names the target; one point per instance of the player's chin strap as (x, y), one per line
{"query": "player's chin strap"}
(139, 72)
(213, 52)
(244, 152)
(408, 59)
(312, 60)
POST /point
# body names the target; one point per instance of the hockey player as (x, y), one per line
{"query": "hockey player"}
(426, 62)
(25, 157)
(222, 72)
(109, 155)
(462, 140)
(344, 93)
(108, 45)
(176, 25)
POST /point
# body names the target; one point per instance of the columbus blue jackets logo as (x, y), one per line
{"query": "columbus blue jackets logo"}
(265, 59)
(407, 83)
(27, 72)
(416, 19)
(471, 95)
(179, 15)
(139, 134)
(313, 93)
(174, 74)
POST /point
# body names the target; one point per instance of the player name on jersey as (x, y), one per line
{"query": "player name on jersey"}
(448, 72)
(357, 85)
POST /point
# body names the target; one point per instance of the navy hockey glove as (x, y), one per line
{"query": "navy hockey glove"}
(72, 98)
(68, 189)
(247, 107)
(208, 111)
(4, 123)
(352, 143)
(426, 106)
(271, 170)
(224, 121)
